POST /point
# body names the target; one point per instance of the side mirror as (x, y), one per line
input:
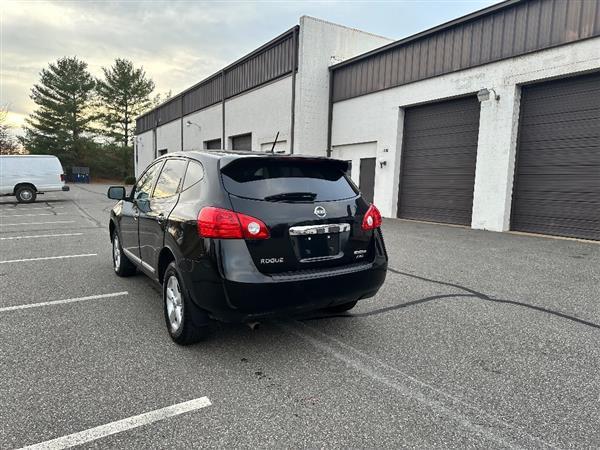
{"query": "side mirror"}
(116, 193)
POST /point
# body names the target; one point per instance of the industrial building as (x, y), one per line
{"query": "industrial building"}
(491, 120)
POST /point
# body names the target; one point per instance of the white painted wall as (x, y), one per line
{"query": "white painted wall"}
(319, 41)
(379, 117)
(206, 126)
(263, 112)
(168, 137)
(354, 153)
(144, 149)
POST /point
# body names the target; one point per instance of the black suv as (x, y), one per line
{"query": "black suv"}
(241, 236)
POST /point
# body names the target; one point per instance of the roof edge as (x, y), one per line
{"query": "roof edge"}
(443, 26)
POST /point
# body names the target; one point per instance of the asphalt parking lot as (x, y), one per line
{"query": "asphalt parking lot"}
(477, 339)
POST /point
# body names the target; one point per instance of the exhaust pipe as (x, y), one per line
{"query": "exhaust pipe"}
(253, 325)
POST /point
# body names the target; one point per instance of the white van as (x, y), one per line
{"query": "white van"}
(25, 176)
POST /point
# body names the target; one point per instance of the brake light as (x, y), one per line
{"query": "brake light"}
(222, 223)
(62, 177)
(372, 219)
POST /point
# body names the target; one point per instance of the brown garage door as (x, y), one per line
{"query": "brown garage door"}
(557, 176)
(438, 161)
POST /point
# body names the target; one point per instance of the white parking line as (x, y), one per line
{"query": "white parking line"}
(34, 223)
(38, 236)
(30, 215)
(27, 208)
(45, 258)
(62, 302)
(119, 426)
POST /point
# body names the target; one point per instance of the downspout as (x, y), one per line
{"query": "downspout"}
(330, 113)
(223, 109)
(182, 123)
(294, 71)
(155, 140)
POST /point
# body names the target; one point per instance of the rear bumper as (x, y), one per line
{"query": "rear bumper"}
(234, 291)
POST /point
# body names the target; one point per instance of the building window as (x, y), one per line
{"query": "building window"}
(241, 142)
(213, 144)
(162, 152)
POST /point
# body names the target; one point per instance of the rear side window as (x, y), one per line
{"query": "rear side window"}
(170, 179)
(287, 179)
(195, 172)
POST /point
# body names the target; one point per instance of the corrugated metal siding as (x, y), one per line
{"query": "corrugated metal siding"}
(516, 29)
(557, 177)
(271, 61)
(438, 161)
(203, 95)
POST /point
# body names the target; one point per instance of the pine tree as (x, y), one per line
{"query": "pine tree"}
(124, 94)
(62, 121)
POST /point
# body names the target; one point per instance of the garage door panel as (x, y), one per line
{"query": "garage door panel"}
(542, 146)
(550, 183)
(548, 208)
(443, 151)
(577, 156)
(464, 161)
(437, 215)
(438, 161)
(455, 203)
(440, 142)
(564, 87)
(575, 230)
(574, 114)
(557, 176)
(561, 130)
(443, 121)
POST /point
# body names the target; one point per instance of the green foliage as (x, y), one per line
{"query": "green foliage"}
(129, 180)
(108, 161)
(63, 119)
(124, 94)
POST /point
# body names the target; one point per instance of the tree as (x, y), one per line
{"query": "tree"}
(124, 94)
(63, 119)
(8, 143)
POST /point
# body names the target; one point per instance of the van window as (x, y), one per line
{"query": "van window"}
(170, 179)
(144, 186)
(272, 179)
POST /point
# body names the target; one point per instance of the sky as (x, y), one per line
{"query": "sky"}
(178, 43)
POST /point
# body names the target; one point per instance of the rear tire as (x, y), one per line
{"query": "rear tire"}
(187, 324)
(343, 307)
(26, 194)
(121, 263)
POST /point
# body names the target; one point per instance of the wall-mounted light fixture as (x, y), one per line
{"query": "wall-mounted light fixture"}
(485, 94)
(190, 123)
(382, 164)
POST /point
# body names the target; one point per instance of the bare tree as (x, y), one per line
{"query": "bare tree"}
(8, 143)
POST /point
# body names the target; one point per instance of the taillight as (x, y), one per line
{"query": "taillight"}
(62, 177)
(372, 219)
(224, 224)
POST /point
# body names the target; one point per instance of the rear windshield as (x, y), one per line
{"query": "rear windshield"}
(291, 180)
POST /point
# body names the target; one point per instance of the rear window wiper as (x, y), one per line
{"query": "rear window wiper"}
(291, 196)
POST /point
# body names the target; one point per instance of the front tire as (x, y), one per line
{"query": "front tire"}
(187, 324)
(26, 194)
(121, 263)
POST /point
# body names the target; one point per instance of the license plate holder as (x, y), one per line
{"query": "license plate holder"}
(318, 242)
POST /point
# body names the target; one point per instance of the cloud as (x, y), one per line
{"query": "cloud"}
(177, 42)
